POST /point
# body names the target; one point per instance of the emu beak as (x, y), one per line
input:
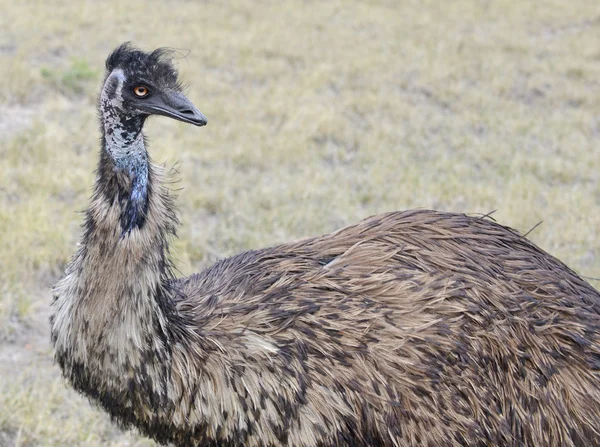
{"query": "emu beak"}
(174, 105)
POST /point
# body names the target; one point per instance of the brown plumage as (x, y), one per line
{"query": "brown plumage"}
(414, 328)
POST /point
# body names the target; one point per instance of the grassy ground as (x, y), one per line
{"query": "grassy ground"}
(320, 113)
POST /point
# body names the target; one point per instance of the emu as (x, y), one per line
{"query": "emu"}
(414, 328)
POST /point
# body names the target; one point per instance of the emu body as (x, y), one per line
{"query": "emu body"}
(414, 328)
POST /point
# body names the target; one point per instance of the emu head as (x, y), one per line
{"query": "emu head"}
(140, 84)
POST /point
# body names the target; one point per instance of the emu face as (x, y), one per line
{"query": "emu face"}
(140, 84)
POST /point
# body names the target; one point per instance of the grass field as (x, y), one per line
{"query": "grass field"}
(320, 113)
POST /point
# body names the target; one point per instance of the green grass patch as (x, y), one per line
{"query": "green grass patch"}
(72, 80)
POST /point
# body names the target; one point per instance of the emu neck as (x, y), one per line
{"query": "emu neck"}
(123, 139)
(127, 161)
(112, 306)
(123, 142)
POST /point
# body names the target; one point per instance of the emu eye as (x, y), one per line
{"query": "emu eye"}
(141, 91)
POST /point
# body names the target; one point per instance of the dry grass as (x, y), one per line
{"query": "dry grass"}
(320, 113)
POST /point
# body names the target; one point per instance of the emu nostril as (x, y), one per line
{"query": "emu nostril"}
(187, 112)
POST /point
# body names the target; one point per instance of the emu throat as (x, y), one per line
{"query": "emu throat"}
(134, 202)
(124, 144)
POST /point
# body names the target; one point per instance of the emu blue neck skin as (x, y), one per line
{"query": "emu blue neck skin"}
(124, 142)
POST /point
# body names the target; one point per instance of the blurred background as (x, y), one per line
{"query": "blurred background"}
(320, 114)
